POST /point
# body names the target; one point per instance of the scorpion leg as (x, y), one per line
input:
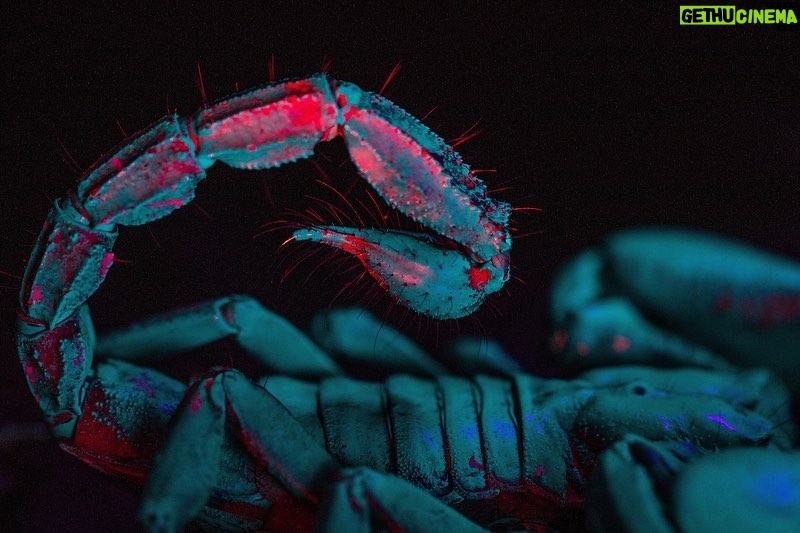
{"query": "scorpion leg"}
(758, 489)
(265, 335)
(619, 468)
(673, 297)
(419, 174)
(669, 487)
(358, 337)
(363, 498)
(469, 356)
(355, 335)
(605, 329)
(739, 299)
(187, 468)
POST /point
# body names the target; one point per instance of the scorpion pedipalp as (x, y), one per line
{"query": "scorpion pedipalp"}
(437, 281)
(416, 172)
(412, 168)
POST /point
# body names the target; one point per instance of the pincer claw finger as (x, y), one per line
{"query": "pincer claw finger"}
(443, 282)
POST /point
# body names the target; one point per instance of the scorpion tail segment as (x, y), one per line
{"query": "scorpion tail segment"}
(69, 262)
(267, 126)
(56, 363)
(419, 174)
(153, 174)
(439, 282)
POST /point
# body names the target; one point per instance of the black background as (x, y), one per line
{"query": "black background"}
(604, 116)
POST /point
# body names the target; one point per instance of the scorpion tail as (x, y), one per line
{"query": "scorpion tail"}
(415, 268)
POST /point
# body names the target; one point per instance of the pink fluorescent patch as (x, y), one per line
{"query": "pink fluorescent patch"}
(36, 295)
(559, 340)
(30, 374)
(409, 272)
(78, 360)
(306, 112)
(166, 203)
(61, 418)
(299, 86)
(474, 463)
(621, 343)
(478, 278)
(108, 260)
(116, 164)
(197, 401)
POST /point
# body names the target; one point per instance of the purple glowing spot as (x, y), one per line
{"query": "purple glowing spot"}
(473, 463)
(776, 488)
(430, 441)
(143, 384)
(504, 429)
(469, 432)
(721, 421)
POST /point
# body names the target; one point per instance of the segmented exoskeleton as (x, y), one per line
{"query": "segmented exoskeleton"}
(232, 454)
(515, 451)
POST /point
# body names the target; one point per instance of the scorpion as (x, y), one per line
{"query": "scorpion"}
(230, 453)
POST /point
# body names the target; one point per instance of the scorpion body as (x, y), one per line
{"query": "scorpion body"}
(503, 451)
(233, 454)
(511, 450)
